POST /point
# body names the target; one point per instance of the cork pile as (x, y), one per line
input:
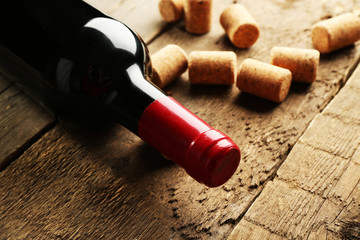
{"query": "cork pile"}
(270, 81)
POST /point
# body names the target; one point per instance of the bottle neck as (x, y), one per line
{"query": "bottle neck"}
(128, 104)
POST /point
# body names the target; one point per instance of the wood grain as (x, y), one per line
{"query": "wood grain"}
(265, 132)
(316, 192)
(78, 188)
(108, 184)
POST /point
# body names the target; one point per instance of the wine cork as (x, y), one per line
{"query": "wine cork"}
(335, 33)
(168, 64)
(212, 67)
(171, 10)
(264, 80)
(302, 63)
(198, 16)
(240, 26)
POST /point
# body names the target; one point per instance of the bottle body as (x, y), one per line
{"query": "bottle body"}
(94, 65)
(81, 53)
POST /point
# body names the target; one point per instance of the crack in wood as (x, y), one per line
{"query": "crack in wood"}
(26, 145)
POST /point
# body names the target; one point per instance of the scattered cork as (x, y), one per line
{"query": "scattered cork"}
(171, 10)
(212, 67)
(198, 15)
(240, 26)
(302, 63)
(168, 64)
(264, 80)
(335, 33)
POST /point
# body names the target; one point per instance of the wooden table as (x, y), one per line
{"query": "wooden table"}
(299, 177)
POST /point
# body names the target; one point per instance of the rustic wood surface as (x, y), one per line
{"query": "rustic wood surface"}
(316, 193)
(106, 183)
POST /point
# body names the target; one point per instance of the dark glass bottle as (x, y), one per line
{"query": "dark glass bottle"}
(94, 66)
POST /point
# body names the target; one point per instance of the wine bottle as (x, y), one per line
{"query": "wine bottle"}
(92, 65)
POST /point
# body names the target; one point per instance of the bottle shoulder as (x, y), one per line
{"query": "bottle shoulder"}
(104, 50)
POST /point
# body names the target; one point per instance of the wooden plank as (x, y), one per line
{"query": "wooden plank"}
(109, 183)
(141, 15)
(21, 122)
(316, 193)
(287, 213)
(314, 173)
(344, 105)
(4, 83)
(252, 231)
(339, 215)
(106, 6)
(84, 195)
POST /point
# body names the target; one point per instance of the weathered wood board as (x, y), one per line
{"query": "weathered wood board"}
(22, 121)
(108, 184)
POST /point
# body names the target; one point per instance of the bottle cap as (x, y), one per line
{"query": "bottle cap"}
(212, 158)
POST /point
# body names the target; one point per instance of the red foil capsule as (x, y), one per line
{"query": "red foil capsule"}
(208, 155)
